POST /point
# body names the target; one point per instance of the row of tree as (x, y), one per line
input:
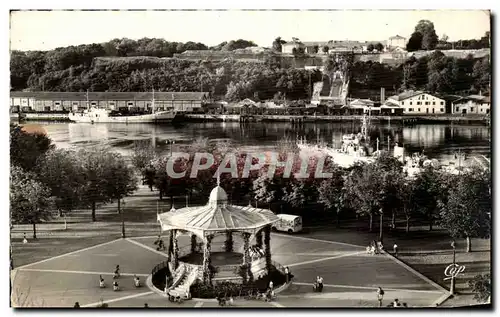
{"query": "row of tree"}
(45, 180)
(458, 203)
(236, 80)
(425, 38)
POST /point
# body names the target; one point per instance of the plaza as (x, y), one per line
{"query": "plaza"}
(351, 277)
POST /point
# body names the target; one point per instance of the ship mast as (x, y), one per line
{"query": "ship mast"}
(153, 110)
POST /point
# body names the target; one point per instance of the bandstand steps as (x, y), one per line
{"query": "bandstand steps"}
(184, 285)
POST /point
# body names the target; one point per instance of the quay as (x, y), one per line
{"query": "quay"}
(294, 119)
(322, 118)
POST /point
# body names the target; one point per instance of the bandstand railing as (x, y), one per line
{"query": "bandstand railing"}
(159, 267)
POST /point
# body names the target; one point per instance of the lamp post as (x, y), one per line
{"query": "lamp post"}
(123, 221)
(171, 142)
(452, 286)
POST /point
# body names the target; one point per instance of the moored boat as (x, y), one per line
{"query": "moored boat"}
(101, 115)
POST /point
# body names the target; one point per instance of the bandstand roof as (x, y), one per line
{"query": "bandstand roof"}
(217, 216)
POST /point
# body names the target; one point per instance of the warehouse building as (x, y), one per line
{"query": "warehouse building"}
(118, 101)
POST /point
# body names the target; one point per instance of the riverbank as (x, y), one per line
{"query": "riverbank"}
(411, 119)
(311, 118)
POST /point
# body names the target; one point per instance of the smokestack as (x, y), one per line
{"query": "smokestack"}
(382, 95)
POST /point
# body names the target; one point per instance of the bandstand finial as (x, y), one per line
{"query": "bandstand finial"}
(218, 177)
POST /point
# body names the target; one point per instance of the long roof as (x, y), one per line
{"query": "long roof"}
(53, 95)
(407, 94)
(217, 216)
(477, 98)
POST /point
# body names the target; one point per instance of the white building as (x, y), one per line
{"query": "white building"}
(288, 48)
(473, 104)
(396, 41)
(418, 102)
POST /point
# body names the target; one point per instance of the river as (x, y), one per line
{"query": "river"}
(437, 140)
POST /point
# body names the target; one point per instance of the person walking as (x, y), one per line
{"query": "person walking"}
(24, 238)
(271, 285)
(320, 284)
(77, 305)
(395, 249)
(117, 272)
(287, 274)
(380, 296)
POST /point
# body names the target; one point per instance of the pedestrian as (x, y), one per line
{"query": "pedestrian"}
(117, 272)
(101, 282)
(24, 238)
(395, 249)
(380, 296)
(77, 305)
(320, 284)
(115, 286)
(287, 274)
(271, 285)
(396, 303)
(146, 305)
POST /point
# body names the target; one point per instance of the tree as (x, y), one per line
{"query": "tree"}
(277, 43)
(106, 177)
(325, 49)
(363, 189)
(370, 47)
(300, 192)
(406, 195)
(238, 44)
(481, 286)
(332, 192)
(144, 153)
(482, 73)
(466, 213)
(30, 200)
(429, 188)
(61, 172)
(379, 47)
(315, 49)
(429, 36)
(444, 38)
(122, 181)
(415, 42)
(27, 148)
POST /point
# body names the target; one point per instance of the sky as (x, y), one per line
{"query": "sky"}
(45, 30)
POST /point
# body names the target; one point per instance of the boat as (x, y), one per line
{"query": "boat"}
(353, 149)
(101, 115)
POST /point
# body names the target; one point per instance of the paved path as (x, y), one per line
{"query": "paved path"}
(351, 276)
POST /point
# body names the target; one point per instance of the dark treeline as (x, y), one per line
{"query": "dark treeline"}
(78, 68)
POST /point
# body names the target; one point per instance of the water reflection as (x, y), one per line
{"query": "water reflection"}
(435, 139)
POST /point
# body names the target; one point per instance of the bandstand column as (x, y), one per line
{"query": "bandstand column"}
(176, 250)
(229, 241)
(193, 243)
(206, 260)
(170, 245)
(258, 238)
(246, 256)
(267, 241)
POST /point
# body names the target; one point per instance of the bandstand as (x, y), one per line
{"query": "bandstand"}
(201, 259)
